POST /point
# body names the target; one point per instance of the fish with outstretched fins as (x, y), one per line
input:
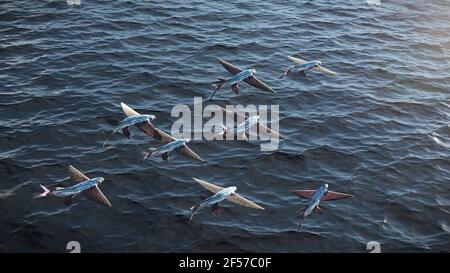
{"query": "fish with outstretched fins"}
(239, 76)
(261, 128)
(125, 124)
(243, 127)
(315, 197)
(88, 186)
(164, 150)
(221, 194)
(301, 66)
(150, 130)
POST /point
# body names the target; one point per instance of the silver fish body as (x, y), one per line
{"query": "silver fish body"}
(247, 124)
(244, 74)
(218, 197)
(133, 120)
(306, 66)
(170, 146)
(78, 188)
(163, 151)
(233, 81)
(313, 203)
(127, 122)
(315, 199)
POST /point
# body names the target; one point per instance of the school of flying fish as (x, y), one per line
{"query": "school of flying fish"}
(89, 187)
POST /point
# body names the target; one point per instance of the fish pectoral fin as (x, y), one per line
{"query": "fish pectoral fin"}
(259, 84)
(165, 156)
(76, 175)
(96, 195)
(318, 210)
(126, 132)
(332, 195)
(68, 200)
(325, 70)
(215, 209)
(208, 186)
(235, 88)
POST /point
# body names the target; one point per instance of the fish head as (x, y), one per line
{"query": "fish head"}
(318, 63)
(325, 187)
(150, 117)
(100, 180)
(186, 140)
(233, 189)
(252, 71)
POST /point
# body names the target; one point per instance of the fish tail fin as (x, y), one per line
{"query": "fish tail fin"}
(302, 217)
(106, 140)
(217, 85)
(44, 194)
(148, 153)
(285, 72)
(300, 223)
(193, 209)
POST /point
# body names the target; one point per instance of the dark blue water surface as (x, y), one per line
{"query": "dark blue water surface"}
(379, 130)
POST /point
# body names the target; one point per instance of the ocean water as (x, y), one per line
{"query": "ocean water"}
(379, 130)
